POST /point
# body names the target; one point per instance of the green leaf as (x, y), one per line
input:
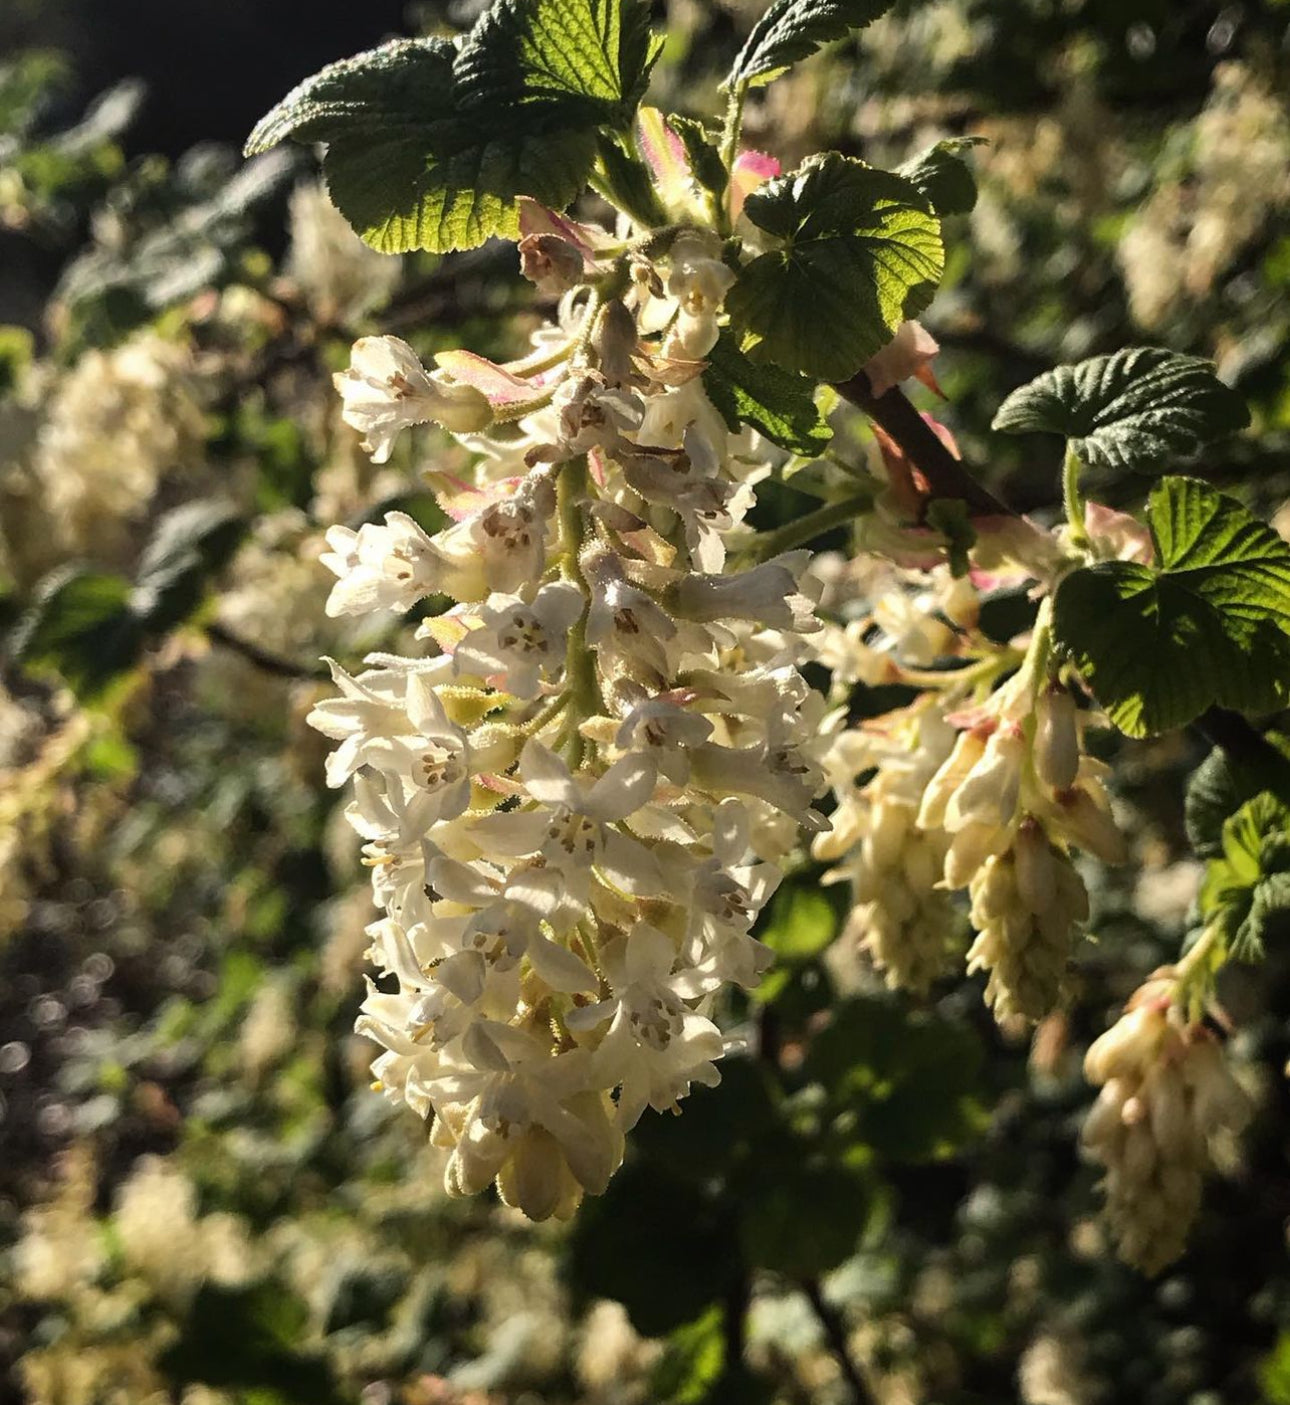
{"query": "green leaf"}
(692, 1362)
(188, 545)
(1206, 624)
(81, 626)
(628, 1244)
(944, 175)
(792, 30)
(1218, 787)
(431, 144)
(804, 1216)
(859, 253)
(702, 153)
(1247, 887)
(1129, 410)
(777, 403)
(908, 1083)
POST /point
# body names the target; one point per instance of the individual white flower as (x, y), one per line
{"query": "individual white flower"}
(664, 729)
(386, 390)
(518, 645)
(655, 1046)
(573, 829)
(767, 594)
(378, 567)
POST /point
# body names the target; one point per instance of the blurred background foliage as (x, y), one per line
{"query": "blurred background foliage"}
(200, 1199)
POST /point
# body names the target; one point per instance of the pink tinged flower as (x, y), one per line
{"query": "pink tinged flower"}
(551, 262)
(908, 355)
(497, 384)
(751, 169)
(386, 389)
(1117, 535)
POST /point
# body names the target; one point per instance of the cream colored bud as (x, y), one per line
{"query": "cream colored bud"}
(1056, 739)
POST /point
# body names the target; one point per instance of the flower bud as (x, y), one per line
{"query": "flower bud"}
(553, 264)
(1056, 739)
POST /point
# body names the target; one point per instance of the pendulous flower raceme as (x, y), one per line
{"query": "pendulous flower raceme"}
(573, 806)
(577, 800)
(1167, 1100)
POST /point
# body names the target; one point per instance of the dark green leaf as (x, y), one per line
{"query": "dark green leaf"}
(1129, 410)
(188, 545)
(81, 626)
(777, 403)
(860, 253)
(804, 1216)
(944, 175)
(791, 30)
(430, 145)
(1220, 785)
(1206, 624)
(905, 1083)
(657, 1244)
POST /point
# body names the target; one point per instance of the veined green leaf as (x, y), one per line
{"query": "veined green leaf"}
(1129, 410)
(82, 627)
(1208, 623)
(860, 253)
(431, 144)
(791, 30)
(778, 404)
(1247, 887)
(944, 175)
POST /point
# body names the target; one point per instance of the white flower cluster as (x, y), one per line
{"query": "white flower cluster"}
(1168, 1097)
(569, 805)
(901, 915)
(995, 806)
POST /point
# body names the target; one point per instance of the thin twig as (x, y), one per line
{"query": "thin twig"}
(264, 659)
(835, 1333)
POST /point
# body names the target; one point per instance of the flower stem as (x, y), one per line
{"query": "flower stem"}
(812, 525)
(581, 687)
(1073, 497)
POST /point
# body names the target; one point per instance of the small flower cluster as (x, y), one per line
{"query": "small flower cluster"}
(1167, 1098)
(568, 805)
(977, 789)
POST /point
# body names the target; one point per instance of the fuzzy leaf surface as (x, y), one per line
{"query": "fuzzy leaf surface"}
(430, 143)
(1208, 623)
(860, 253)
(1129, 410)
(792, 30)
(777, 403)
